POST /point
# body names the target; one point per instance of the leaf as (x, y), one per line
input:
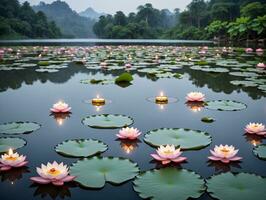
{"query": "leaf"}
(225, 105)
(169, 183)
(12, 128)
(208, 119)
(242, 186)
(107, 121)
(81, 147)
(11, 142)
(95, 172)
(125, 77)
(260, 151)
(184, 138)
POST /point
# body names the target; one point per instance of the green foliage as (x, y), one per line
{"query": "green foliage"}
(217, 28)
(20, 21)
(253, 10)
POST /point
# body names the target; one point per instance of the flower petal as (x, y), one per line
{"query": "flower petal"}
(40, 180)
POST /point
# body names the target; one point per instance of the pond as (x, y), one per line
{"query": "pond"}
(32, 79)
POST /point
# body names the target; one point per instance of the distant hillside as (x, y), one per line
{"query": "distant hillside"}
(20, 21)
(91, 13)
(71, 23)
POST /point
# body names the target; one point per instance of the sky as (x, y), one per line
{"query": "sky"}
(111, 6)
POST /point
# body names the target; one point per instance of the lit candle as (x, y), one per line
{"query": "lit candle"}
(162, 99)
(98, 101)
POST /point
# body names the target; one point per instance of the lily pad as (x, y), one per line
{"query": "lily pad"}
(184, 138)
(260, 151)
(125, 77)
(169, 183)
(19, 127)
(95, 172)
(208, 119)
(107, 121)
(244, 74)
(11, 142)
(225, 105)
(42, 70)
(244, 83)
(98, 81)
(81, 147)
(244, 186)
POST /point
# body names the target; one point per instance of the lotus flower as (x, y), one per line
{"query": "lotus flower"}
(195, 96)
(255, 128)
(128, 65)
(54, 173)
(261, 65)
(128, 133)
(259, 51)
(10, 160)
(167, 154)
(60, 107)
(224, 153)
(103, 64)
(248, 50)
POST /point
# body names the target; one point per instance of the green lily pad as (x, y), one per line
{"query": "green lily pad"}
(244, 83)
(225, 105)
(125, 77)
(107, 121)
(169, 183)
(260, 151)
(184, 138)
(95, 172)
(43, 70)
(242, 186)
(244, 74)
(19, 127)
(81, 147)
(215, 70)
(208, 119)
(98, 81)
(11, 142)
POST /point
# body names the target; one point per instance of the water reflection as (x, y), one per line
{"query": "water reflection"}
(14, 174)
(223, 167)
(255, 140)
(60, 117)
(129, 146)
(195, 106)
(52, 191)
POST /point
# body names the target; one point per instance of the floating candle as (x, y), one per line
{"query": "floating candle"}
(12, 160)
(162, 99)
(98, 101)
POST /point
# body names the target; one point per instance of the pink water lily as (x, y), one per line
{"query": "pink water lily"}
(128, 133)
(54, 173)
(248, 50)
(167, 154)
(128, 65)
(261, 65)
(60, 107)
(195, 96)
(255, 128)
(12, 160)
(224, 153)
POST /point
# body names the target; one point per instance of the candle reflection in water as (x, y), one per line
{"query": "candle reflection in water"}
(255, 140)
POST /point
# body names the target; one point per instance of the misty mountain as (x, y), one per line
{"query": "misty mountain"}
(91, 13)
(71, 24)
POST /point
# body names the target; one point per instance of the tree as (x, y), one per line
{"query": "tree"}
(253, 10)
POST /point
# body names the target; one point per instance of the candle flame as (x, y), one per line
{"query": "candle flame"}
(97, 96)
(161, 94)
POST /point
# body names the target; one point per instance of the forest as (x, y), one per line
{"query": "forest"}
(222, 19)
(21, 21)
(215, 19)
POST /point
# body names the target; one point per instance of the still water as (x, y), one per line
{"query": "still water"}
(27, 95)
